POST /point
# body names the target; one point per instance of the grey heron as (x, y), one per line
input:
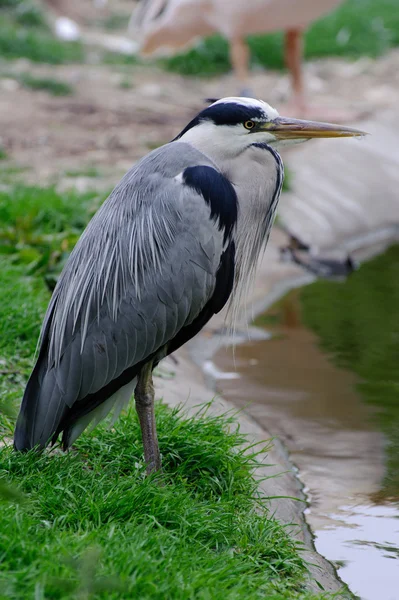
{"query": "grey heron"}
(178, 237)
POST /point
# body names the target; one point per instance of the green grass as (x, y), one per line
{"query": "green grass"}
(29, 14)
(55, 87)
(29, 210)
(356, 28)
(39, 227)
(50, 85)
(88, 171)
(92, 525)
(23, 301)
(24, 33)
(116, 58)
(17, 42)
(3, 154)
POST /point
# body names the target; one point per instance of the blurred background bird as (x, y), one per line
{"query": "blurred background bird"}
(171, 25)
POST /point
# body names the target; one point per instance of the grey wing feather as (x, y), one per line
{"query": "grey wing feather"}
(117, 301)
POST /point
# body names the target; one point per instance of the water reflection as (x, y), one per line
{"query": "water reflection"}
(338, 412)
(361, 546)
(358, 324)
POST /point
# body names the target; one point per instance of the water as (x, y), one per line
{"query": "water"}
(327, 383)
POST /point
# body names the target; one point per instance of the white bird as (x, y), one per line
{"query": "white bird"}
(179, 237)
(172, 25)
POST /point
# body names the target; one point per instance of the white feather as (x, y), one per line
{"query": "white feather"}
(114, 404)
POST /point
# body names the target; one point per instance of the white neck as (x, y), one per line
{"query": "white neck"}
(256, 176)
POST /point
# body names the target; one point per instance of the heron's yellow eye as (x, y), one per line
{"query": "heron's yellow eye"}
(249, 124)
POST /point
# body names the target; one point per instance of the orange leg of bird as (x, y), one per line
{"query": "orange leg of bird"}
(298, 106)
(239, 56)
(293, 60)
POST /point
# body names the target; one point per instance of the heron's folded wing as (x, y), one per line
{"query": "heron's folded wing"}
(144, 269)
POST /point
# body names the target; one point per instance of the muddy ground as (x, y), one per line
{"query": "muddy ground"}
(118, 113)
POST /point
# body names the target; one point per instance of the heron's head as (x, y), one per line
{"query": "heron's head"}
(228, 126)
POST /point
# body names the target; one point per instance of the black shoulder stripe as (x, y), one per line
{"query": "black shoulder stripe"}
(217, 192)
(223, 288)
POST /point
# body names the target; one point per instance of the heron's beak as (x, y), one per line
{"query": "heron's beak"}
(290, 129)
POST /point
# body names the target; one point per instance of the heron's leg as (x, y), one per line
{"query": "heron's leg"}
(239, 56)
(293, 60)
(144, 396)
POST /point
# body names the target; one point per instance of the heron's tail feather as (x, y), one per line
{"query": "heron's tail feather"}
(42, 408)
